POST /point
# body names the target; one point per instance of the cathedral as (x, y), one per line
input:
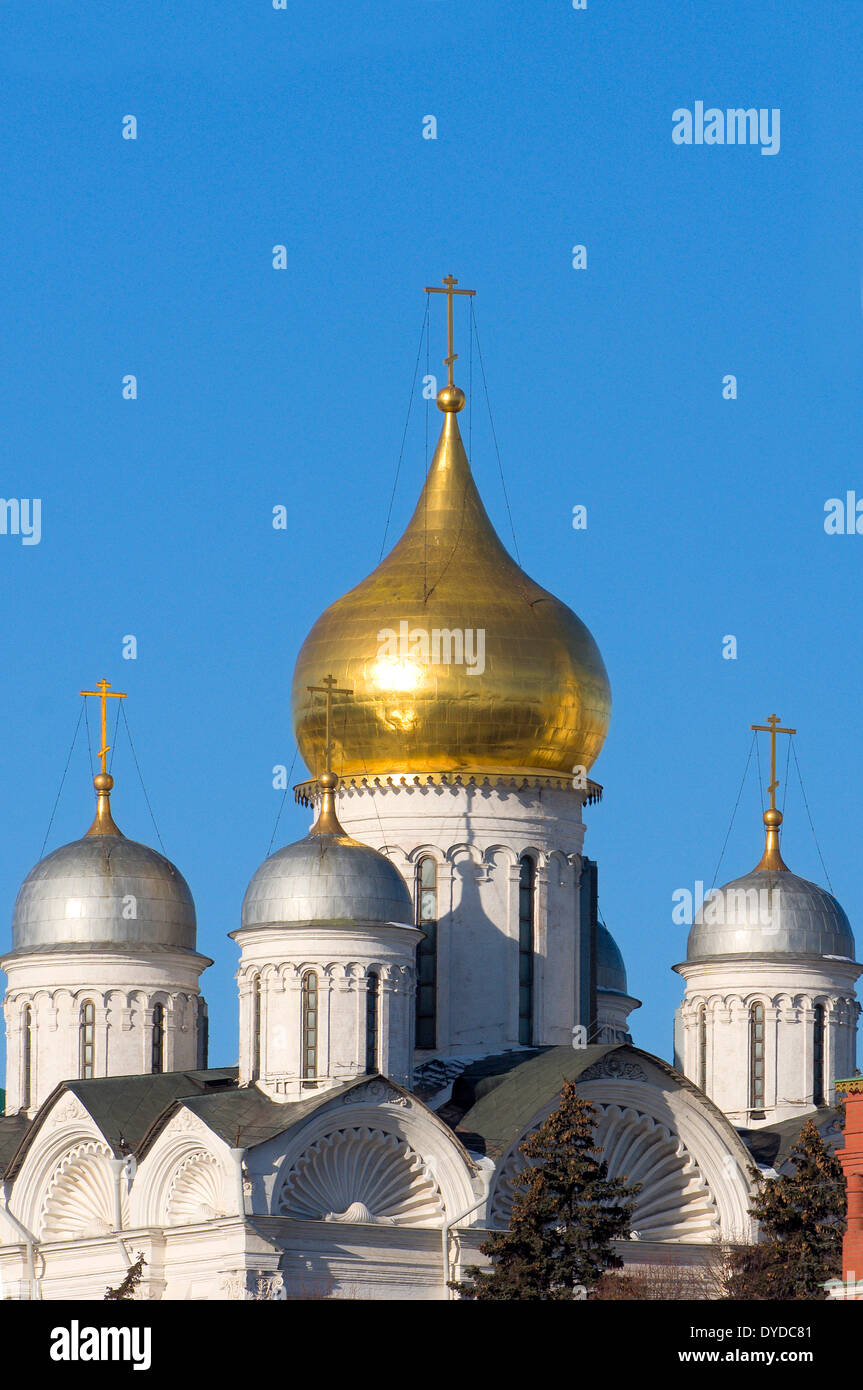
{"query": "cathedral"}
(417, 978)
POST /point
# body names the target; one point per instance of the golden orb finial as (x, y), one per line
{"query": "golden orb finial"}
(328, 822)
(771, 858)
(104, 821)
(450, 398)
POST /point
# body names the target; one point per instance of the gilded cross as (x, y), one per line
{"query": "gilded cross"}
(329, 689)
(450, 283)
(104, 693)
(772, 728)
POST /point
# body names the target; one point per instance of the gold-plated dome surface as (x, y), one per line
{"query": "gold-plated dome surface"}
(457, 660)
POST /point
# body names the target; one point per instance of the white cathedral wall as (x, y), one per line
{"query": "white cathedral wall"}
(477, 835)
(789, 989)
(342, 960)
(212, 1221)
(124, 991)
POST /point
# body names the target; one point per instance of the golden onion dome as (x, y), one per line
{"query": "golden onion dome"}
(457, 661)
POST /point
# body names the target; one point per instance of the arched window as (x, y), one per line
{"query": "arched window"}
(27, 1055)
(310, 1029)
(87, 1036)
(818, 1057)
(525, 951)
(426, 1006)
(157, 1063)
(256, 1029)
(702, 1047)
(756, 1058)
(373, 1000)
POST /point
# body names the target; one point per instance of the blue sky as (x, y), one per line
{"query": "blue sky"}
(259, 387)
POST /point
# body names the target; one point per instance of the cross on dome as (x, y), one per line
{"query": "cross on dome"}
(104, 694)
(449, 290)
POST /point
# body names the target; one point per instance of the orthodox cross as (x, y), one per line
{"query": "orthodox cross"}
(450, 283)
(329, 689)
(104, 693)
(772, 728)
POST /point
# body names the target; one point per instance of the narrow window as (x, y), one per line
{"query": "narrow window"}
(426, 1006)
(26, 1048)
(203, 1035)
(87, 1033)
(158, 1054)
(310, 1029)
(525, 951)
(702, 1047)
(256, 1029)
(756, 1058)
(373, 996)
(818, 1057)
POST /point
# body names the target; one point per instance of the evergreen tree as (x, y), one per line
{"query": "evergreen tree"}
(134, 1275)
(802, 1219)
(564, 1218)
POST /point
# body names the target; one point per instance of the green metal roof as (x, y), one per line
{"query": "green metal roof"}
(244, 1117)
(493, 1100)
(12, 1130)
(125, 1107)
(770, 1145)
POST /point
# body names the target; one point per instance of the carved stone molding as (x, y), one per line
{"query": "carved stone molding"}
(615, 1069)
(69, 1109)
(363, 1176)
(376, 1092)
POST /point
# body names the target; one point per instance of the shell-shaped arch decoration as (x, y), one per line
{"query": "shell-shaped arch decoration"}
(79, 1201)
(195, 1192)
(362, 1175)
(675, 1203)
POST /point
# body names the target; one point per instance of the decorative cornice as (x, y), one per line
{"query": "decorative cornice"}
(308, 793)
(852, 1086)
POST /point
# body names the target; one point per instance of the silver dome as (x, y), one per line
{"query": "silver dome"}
(770, 912)
(610, 969)
(85, 894)
(327, 878)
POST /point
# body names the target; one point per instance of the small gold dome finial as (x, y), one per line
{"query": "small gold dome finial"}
(450, 398)
(771, 858)
(104, 821)
(328, 822)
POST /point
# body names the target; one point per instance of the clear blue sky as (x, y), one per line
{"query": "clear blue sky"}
(259, 387)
